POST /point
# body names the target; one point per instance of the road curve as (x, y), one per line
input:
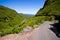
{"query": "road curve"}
(43, 33)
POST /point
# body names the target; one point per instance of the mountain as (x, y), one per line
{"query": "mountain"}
(9, 21)
(51, 7)
(30, 15)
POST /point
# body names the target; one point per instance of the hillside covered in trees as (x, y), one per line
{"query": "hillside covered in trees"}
(50, 8)
(9, 21)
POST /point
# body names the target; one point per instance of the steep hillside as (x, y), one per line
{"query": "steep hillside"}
(9, 21)
(51, 7)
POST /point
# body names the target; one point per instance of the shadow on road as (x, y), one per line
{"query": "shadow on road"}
(56, 28)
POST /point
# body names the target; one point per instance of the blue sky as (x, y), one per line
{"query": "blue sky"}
(24, 6)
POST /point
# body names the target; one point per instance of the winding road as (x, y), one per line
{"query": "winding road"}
(43, 33)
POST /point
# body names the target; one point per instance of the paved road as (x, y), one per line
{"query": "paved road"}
(43, 33)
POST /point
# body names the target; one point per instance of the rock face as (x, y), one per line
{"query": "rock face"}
(51, 7)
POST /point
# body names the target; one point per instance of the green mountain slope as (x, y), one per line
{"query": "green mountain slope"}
(51, 7)
(9, 21)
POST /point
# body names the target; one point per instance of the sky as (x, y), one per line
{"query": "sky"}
(24, 6)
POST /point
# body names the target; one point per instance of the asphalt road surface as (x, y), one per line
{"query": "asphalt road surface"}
(44, 33)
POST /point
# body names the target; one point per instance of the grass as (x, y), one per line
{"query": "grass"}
(35, 21)
(9, 21)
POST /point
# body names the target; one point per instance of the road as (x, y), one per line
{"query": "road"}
(43, 33)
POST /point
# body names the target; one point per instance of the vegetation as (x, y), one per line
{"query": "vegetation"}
(30, 22)
(48, 12)
(9, 21)
(51, 8)
(35, 21)
(12, 22)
